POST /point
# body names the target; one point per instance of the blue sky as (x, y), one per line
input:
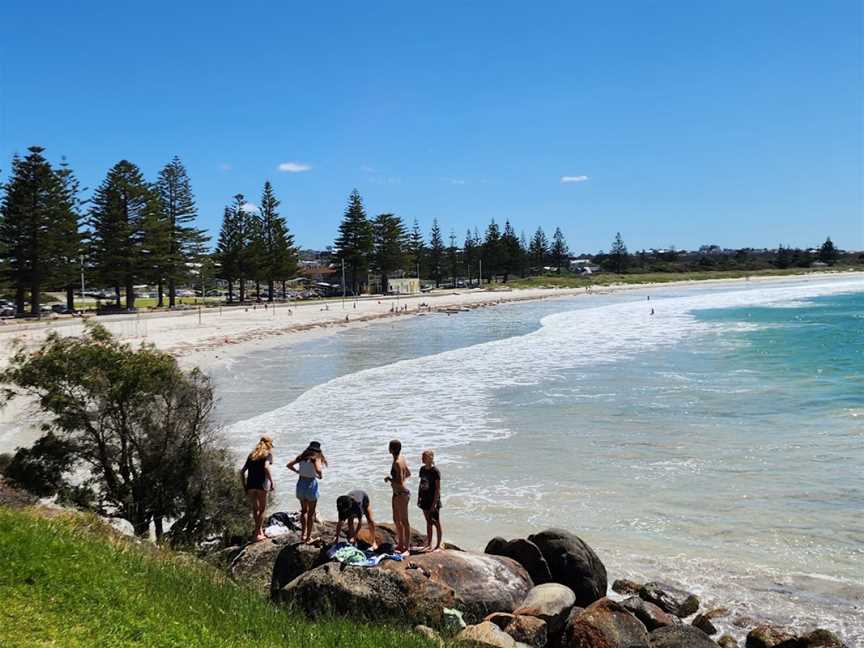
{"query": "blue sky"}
(735, 123)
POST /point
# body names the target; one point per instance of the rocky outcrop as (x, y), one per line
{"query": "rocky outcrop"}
(649, 614)
(768, 636)
(368, 594)
(550, 602)
(485, 634)
(294, 560)
(670, 599)
(526, 553)
(528, 630)
(253, 565)
(619, 628)
(482, 584)
(626, 587)
(573, 563)
(704, 621)
(680, 636)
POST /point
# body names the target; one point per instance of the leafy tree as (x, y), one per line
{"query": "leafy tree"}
(453, 257)
(559, 252)
(416, 249)
(177, 213)
(120, 208)
(390, 240)
(140, 423)
(67, 236)
(538, 249)
(38, 227)
(279, 259)
(618, 255)
(828, 252)
(511, 251)
(42, 469)
(470, 255)
(228, 250)
(783, 258)
(436, 253)
(525, 260)
(491, 255)
(354, 245)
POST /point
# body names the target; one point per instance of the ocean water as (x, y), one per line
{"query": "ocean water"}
(717, 444)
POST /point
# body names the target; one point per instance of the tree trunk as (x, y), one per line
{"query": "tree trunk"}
(160, 293)
(70, 297)
(284, 292)
(19, 301)
(257, 291)
(117, 295)
(130, 295)
(158, 528)
(230, 291)
(35, 300)
(242, 289)
(270, 285)
(172, 292)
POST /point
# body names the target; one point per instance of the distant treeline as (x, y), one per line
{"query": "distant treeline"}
(132, 231)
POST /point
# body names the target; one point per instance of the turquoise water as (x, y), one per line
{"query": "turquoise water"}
(718, 443)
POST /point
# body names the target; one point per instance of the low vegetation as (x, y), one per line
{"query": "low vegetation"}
(71, 581)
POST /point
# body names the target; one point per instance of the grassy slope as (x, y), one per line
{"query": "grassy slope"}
(606, 278)
(65, 581)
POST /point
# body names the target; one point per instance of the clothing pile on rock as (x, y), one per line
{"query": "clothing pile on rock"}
(350, 555)
(282, 523)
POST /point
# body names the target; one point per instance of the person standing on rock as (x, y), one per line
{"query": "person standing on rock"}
(257, 480)
(429, 498)
(308, 465)
(353, 506)
(399, 474)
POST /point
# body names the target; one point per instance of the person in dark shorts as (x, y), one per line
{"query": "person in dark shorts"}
(429, 498)
(257, 481)
(353, 506)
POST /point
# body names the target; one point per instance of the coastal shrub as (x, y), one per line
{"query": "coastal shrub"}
(5, 460)
(140, 424)
(42, 469)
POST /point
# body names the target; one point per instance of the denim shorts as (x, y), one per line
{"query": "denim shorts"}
(307, 489)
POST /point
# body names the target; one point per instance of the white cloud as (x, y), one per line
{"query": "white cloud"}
(293, 167)
(569, 179)
(250, 208)
(455, 181)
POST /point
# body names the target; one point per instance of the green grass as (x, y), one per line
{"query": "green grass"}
(68, 581)
(607, 278)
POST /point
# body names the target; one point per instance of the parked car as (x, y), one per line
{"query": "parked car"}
(7, 311)
(60, 309)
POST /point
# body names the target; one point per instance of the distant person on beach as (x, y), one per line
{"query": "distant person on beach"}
(399, 474)
(429, 498)
(308, 465)
(353, 506)
(257, 480)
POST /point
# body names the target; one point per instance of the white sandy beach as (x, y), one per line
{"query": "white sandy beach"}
(215, 335)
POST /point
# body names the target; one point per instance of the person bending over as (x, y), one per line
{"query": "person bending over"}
(257, 480)
(354, 506)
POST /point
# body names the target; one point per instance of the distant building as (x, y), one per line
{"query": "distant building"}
(403, 286)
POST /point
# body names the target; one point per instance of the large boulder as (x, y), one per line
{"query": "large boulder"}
(670, 599)
(529, 630)
(768, 636)
(581, 634)
(820, 638)
(485, 634)
(482, 583)
(626, 587)
(253, 565)
(705, 620)
(551, 602)
(680, 636)
(370, 594)
(573, 563)
(620, 628)
(526, 553)
(292, 561)
(649, 614)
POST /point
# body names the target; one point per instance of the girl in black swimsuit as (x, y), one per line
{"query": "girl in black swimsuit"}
(258, 481)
